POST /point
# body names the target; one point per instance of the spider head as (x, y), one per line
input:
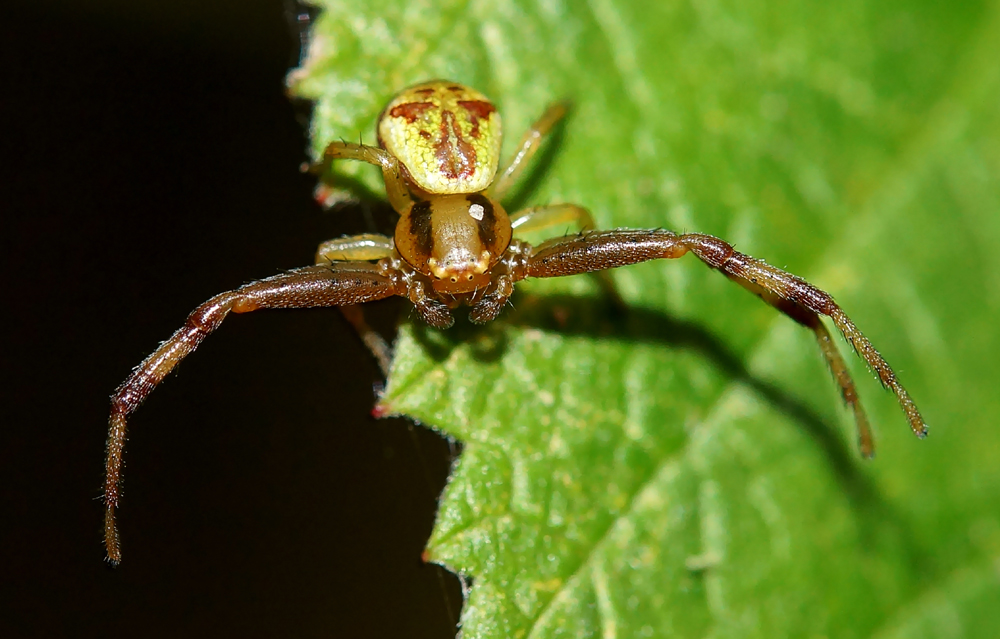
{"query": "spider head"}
(460, 271)
(454, 239)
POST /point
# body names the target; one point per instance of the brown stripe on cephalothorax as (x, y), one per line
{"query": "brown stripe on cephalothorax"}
(488, 225)
(420, 227)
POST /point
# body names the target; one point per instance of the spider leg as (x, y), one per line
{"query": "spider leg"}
(502, 287)
(380, 349)
(368, 246)
(392, 172)
(811, 320)
(538, 218)
(529, 145)
(355, 248)
(788, 293)
(312, 286)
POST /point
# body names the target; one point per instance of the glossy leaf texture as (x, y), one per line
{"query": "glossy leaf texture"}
(685, 468)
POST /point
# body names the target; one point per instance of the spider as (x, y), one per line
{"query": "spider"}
(439, 146)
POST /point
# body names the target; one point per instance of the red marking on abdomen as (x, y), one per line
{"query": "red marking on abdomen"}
(477, 109)
(410, 110)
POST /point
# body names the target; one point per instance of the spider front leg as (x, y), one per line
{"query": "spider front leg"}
(395, 185)
(357, 248)
(790, 294)
(333, 285)
(538, 218)
(528, 146)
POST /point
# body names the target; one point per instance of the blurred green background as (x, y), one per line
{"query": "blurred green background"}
(684, 470)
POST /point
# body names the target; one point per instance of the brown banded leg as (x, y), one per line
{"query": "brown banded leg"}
(312, 286)
(395, 185)
(356, 248)
(538, 218)
(811, 320)
(609, 249)
(529, 145)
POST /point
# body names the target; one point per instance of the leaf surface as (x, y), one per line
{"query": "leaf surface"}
(686, 469)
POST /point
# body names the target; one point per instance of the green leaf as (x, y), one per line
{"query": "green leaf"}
(686, 469)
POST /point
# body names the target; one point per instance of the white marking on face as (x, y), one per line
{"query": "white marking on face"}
(476, 211)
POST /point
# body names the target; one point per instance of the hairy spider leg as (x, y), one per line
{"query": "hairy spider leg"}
(811, 320)
(356, 248)
(396, 188)
(313, 286)
(527, 148)
(538, 218)
(610, 249)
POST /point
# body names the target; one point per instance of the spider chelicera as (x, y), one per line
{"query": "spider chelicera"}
(439, 146)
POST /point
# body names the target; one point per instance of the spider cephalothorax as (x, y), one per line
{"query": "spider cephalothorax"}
(453, 245)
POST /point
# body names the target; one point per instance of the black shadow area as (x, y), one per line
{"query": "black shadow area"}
(150, 159)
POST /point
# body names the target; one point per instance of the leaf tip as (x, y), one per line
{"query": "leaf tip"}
(383, 409)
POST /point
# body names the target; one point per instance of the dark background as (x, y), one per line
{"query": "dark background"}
(151, 160)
